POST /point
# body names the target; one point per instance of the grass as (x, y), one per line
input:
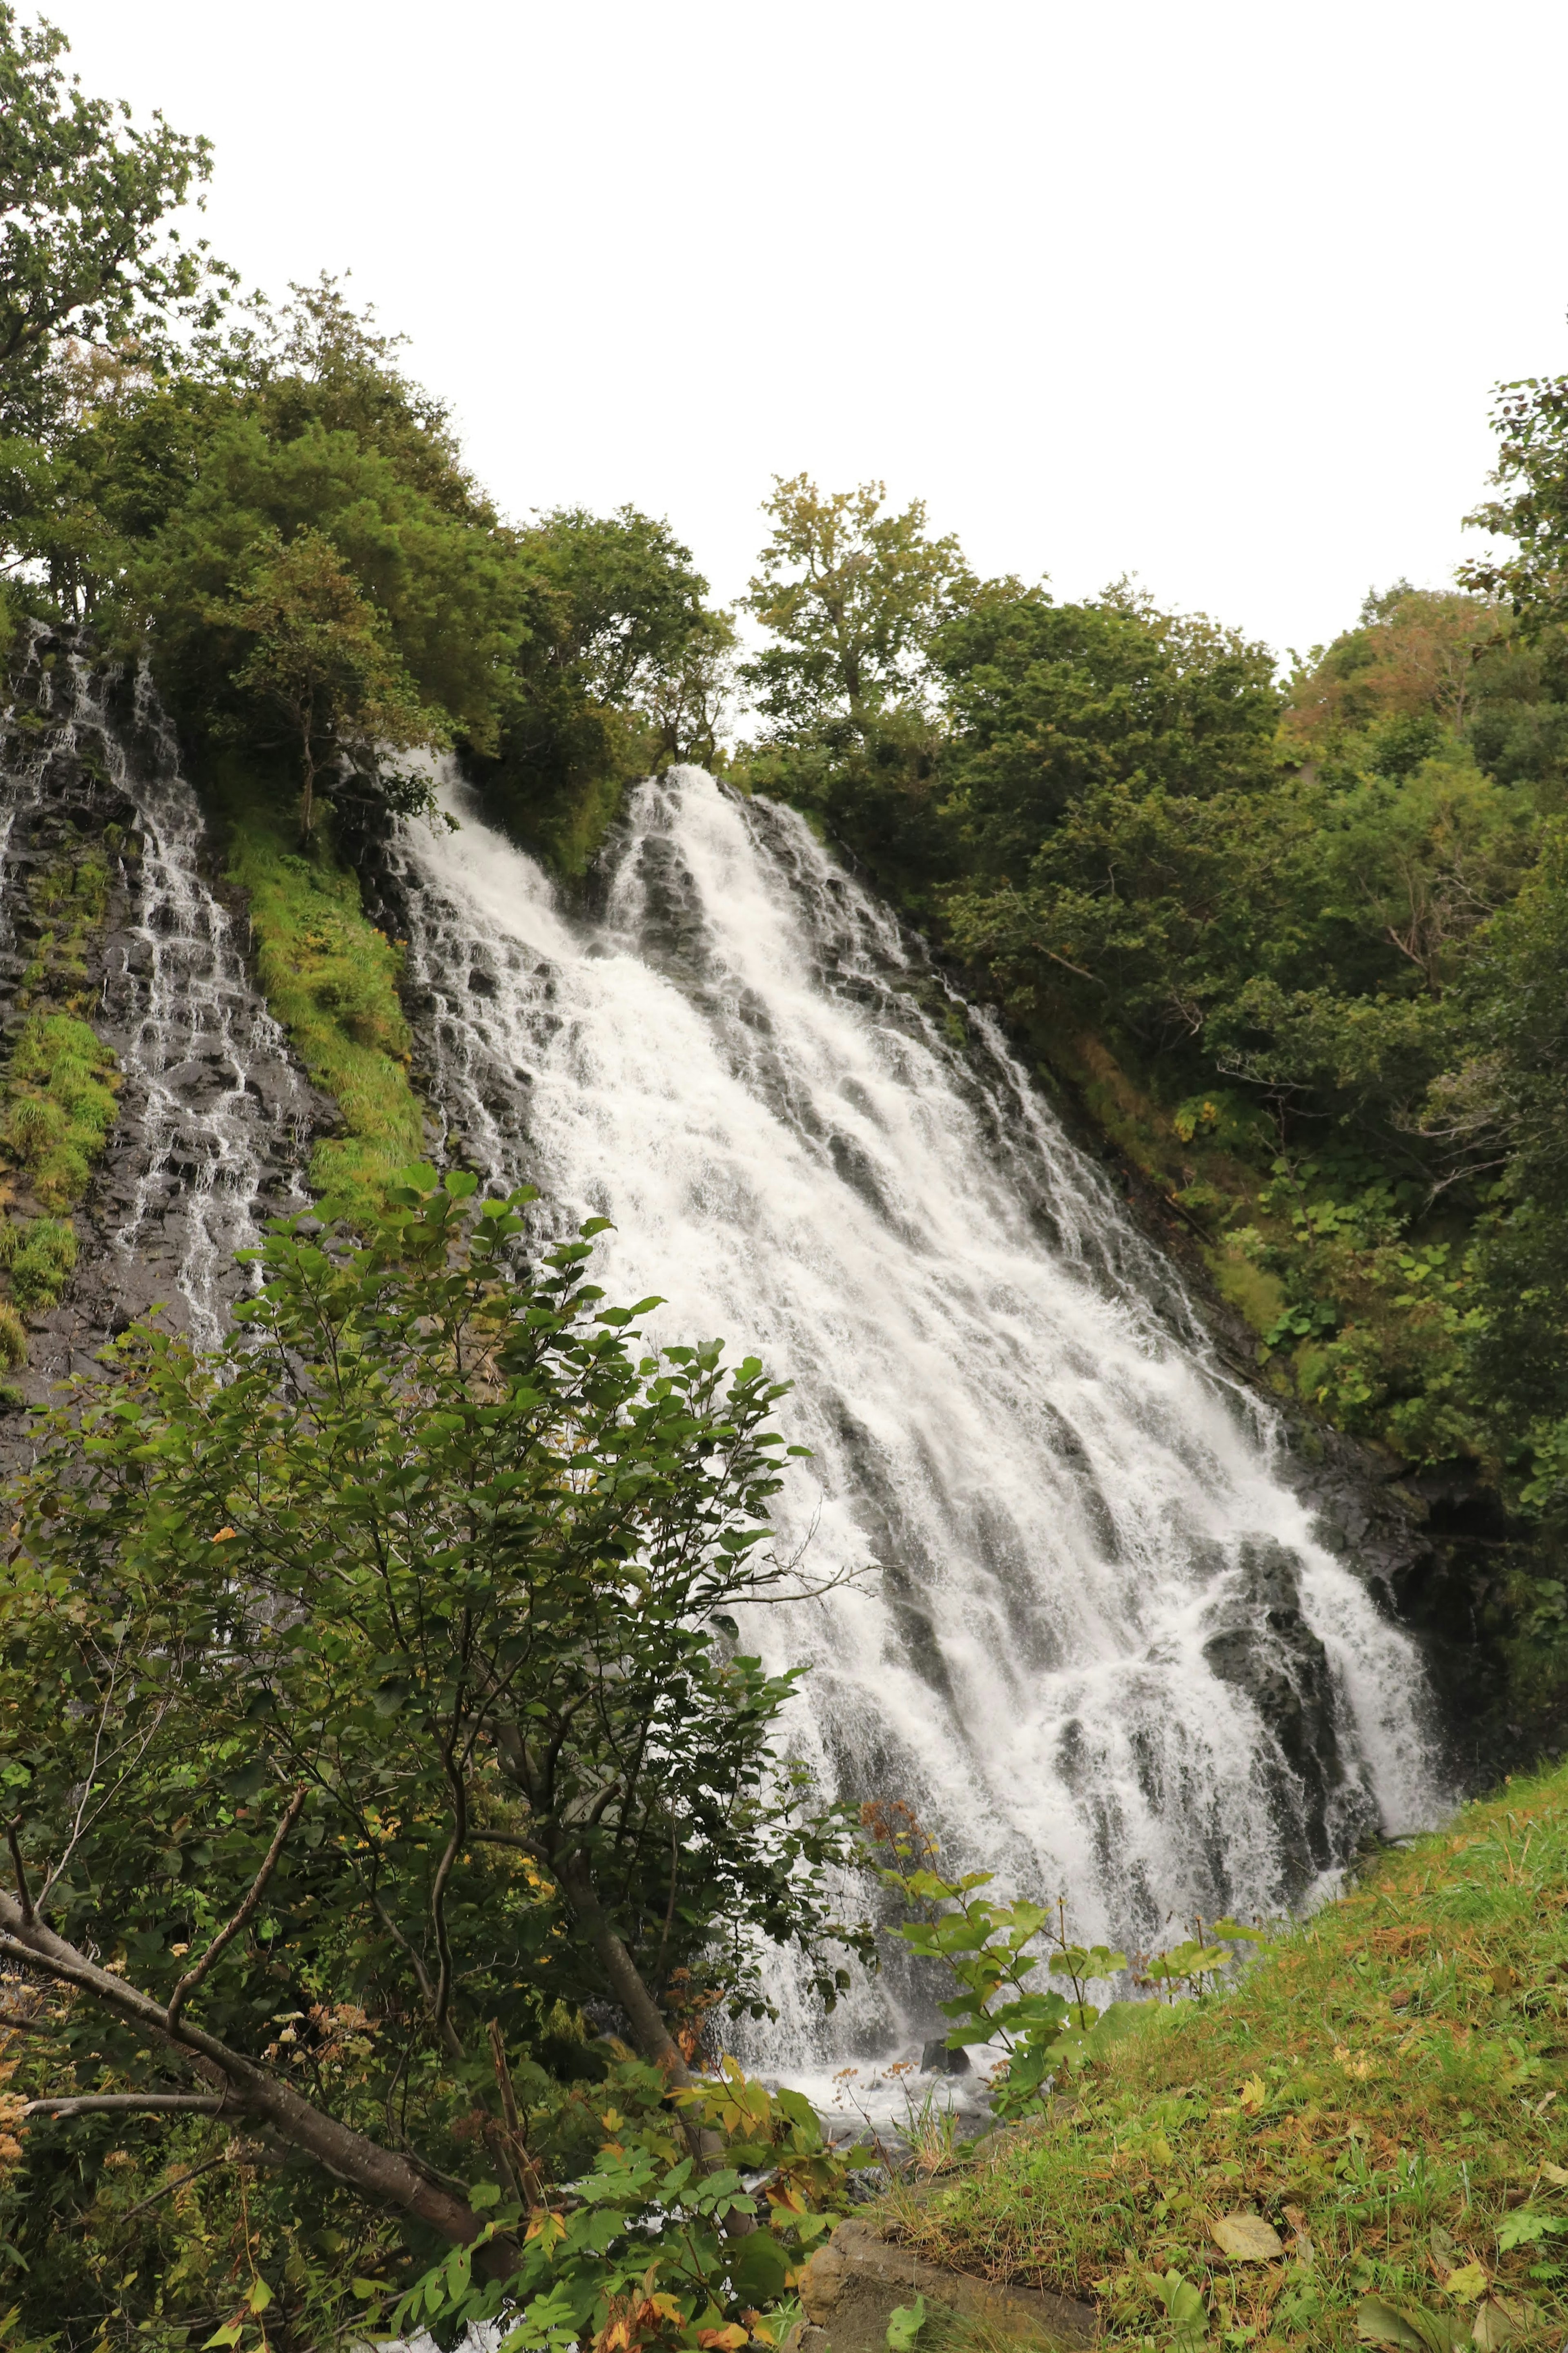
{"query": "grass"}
(330, 978)
(1384, 2089)
(59, 1093)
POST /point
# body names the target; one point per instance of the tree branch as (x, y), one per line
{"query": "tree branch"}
(12, 1827)
(225, 1935)
(128, 2103)
(386, 2180)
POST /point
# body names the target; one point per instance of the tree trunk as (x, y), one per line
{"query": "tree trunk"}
(382, 2176)
(648, 2031)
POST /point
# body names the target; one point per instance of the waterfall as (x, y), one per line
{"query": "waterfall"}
(1097, 1647)
(214, 1120)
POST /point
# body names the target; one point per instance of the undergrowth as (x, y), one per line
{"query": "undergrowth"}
(1358, 1292)
(1381, 2093)
(330, 978)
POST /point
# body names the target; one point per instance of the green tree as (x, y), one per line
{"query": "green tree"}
(1531, 420)
(851, 594)
(85, 198)
(321, 659)
(372, 1673)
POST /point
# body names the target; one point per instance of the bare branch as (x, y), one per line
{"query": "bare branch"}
(225, 1935)
(128, 2103)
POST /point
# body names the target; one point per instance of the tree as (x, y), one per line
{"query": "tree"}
(84, 200)
(1531, 420)
(322, 659)
(1048, 702)
(371, 1676)
(852, 595)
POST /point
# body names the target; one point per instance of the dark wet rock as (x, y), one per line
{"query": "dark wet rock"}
(216, 1121)
(1262, 1646)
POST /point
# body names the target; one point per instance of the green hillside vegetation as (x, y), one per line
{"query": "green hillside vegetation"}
(58, 1089)
(1380, 2091)
(330, 980)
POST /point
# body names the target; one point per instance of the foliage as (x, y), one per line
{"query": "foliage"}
(59, 1091)
(58, 1088)
(1531, 420)
(85, 249)
(851, 594)
(661, 2243)
(320, 658)
(373, 1659)
(1376, 2094)
(985, 1945)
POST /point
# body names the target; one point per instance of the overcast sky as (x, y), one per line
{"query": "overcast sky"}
(1212, 293)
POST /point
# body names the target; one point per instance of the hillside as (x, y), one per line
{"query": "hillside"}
(1381, 2090)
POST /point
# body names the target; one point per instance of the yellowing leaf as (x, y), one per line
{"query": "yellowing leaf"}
(1492, 2327)
(1468, 2283)
(1557, 2174)
(1247, 2238)
(1254, 2092)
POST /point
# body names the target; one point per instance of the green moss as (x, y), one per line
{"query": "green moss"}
(39, 1254)
(59, 1091)
(1383, 2089)
(330, 978)
(13, 1331)
(1259, 1297)
(69, 900)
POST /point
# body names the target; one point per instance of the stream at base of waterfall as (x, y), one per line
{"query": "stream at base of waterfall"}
(1095, 1646)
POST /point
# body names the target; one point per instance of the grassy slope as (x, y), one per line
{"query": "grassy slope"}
(1383, 2088)
(330, 978)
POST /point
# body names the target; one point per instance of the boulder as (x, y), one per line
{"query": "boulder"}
(850, 2288)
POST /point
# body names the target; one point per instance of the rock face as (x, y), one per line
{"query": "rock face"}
(1262, 1645)
(851, 2286)
(216, 1121)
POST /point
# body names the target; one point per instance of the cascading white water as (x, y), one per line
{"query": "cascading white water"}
(214, 1119)
(198, 1036)
(1101, 1652)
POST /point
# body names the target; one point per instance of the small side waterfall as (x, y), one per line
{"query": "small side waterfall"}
(215, 1121)
(1100, 1652)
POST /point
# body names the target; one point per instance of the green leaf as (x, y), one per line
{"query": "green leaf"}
(758, 2267)
(904, 2325)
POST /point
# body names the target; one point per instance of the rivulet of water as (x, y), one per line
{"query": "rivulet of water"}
(214, 1120)
(1097, 1649)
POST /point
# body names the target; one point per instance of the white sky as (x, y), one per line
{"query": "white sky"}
(1211, 293)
